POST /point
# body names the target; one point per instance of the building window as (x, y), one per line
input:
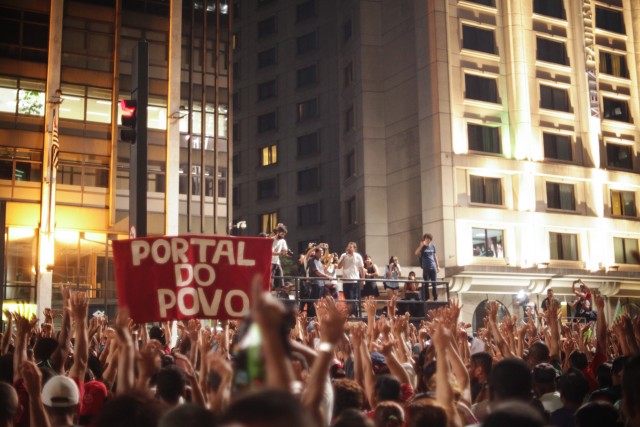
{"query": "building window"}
(484, 138)
(613, 64)
(306, 43)
(623, 203)
(267, 122)
(347, 30)
(307, 109)
(267, 27)
(480, 39)
(348, 74)
(616, 109)
(83, 170)
(350, 207)
(305, 10)
(266, 58)
(267, 90)
(623, 250)
(236, 164)
(268, 222)
(561, 196)
(557, 146)
(348, 119)
(610, 20)
(267, 188)
(308, 180)
(237, 198)
(306, 76)
(554, 98)
(308, 144)
(563, 246)
(486, 190)
(552, 8)
(269, 155)
(20, 164)
(25, 34)
(350, 164)
(480, 88)
(551, 51)
(483, 2)
(487, 242)
(620, 156)
(309, 214)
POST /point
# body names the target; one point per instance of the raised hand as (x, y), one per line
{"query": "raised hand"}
(492, 311)
(79, 304)
(370, 306)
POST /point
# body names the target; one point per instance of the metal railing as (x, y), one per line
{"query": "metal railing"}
(307, 290)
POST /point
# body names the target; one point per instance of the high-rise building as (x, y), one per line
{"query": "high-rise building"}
(64, 65)
(507, 129)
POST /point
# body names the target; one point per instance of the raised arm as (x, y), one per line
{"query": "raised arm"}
(33, 383)
(6, 338)
(23, 329)
(79, 306)
(444, 390)
(126, 352)
(492, 311)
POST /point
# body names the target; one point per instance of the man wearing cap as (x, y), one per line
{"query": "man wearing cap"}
(60, 396)
(544, 384)
(279, 248)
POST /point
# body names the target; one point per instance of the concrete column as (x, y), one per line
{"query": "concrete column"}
(517, 40)
(172, 191)
(46, 230)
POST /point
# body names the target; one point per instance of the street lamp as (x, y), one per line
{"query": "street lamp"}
(240, 225)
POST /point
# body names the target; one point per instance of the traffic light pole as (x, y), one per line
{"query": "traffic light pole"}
(138, 160)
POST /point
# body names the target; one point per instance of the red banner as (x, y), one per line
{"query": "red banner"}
(190, 277)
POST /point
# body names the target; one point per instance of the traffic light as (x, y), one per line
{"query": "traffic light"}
(129, 120)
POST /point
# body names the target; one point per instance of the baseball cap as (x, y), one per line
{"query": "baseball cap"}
(95, 393)
(60, 392)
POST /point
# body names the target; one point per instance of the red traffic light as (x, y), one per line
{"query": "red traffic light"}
(128, 118)
(128, 107)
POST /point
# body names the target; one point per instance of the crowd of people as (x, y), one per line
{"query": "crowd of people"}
(278, 367)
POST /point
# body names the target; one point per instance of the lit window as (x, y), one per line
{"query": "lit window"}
(480, 88)
(554, 98)
(480, 39)
(309, 214)
(610, 20)
(267, 90)
(620, 156)
(552, 8)
(623, 203)
(561, 196)
(616, 109)
(487, 243)
(613, 64)
(623, 250)
(486, 190)
(484, 138)
(308, 144)
(557, 146)
(551, 51)
(307, 109)
(306, 43)
(31, 98)
(563, 246)
(268, 222)
(308, 180)
(267, 188)
(306, 76)
(269, 155)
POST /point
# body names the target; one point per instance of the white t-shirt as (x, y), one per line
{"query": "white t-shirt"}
(351, 265)
(279, 245)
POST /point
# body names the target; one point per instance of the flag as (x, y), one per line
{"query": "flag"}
(55, 144)
(618, 311)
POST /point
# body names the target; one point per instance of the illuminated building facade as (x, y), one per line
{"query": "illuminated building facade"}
(83, 49)
(507, 129)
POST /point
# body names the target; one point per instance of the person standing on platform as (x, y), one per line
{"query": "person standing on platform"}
(352, 267)
(430, 265)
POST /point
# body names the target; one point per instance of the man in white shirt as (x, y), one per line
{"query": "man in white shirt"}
(279, 248)
(352, 267)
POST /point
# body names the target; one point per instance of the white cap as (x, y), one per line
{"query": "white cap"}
(60, 392)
